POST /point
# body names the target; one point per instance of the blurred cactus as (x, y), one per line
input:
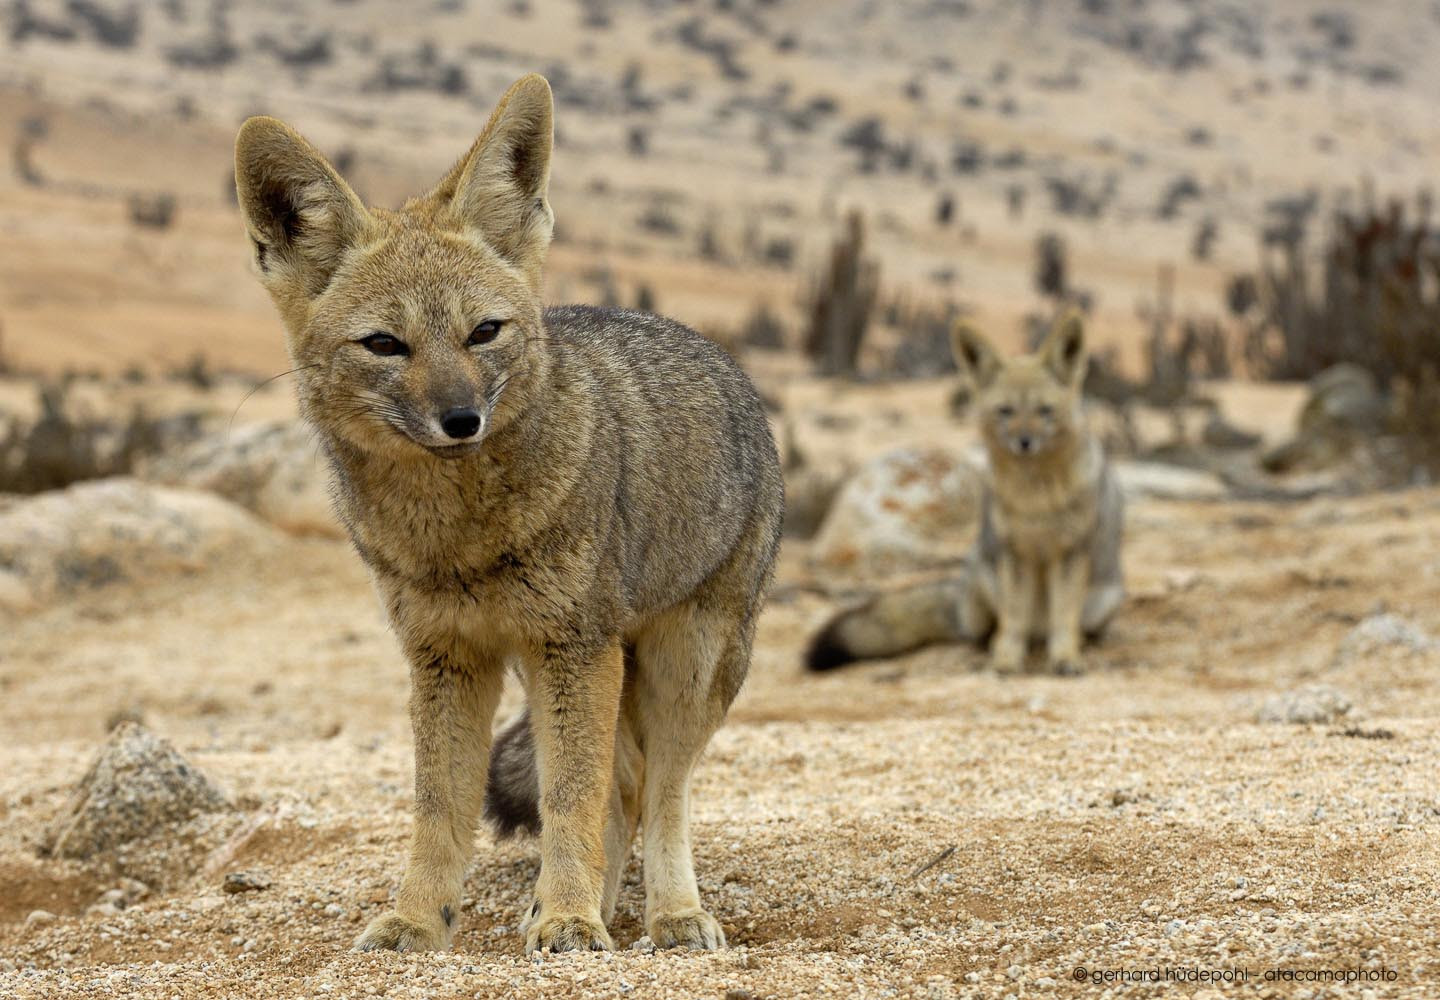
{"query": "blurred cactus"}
(1372, 298)
(843, 302)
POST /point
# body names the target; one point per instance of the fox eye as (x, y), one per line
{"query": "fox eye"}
(1045, 410)
(384, 345)
(1005, 412)
(485, 332)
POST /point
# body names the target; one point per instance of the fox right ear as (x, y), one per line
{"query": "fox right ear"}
(974, 354)
(301, 216)
(499, 189)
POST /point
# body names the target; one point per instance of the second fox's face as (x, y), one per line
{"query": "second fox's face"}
(1025, 411)
(421, 343)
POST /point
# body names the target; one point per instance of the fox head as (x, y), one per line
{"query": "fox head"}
(1028, 406)
(415, 332)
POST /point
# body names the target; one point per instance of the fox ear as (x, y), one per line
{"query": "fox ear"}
(974, 354)
(499, 188)
(301, 216)
(1064, 348)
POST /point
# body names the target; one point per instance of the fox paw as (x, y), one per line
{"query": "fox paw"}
(1007, 657)
(1067, 666)
(687, 929)
(392, 932)
(567, 933)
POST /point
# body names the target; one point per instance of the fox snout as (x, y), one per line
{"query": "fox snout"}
(449, 427)
(460, 423)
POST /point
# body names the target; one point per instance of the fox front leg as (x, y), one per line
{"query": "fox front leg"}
(1067, 583)
(1018, 580)
(575, 704)
(452, 707)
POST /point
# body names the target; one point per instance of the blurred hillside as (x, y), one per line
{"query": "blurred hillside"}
(708, 152)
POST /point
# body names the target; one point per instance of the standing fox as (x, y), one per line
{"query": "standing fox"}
(1046, 566)
(590, 496)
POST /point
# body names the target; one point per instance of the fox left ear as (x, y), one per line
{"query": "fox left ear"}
(1064, 348)
(301, 216)
(500, 187)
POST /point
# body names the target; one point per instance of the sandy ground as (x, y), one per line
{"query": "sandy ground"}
(1136, 818)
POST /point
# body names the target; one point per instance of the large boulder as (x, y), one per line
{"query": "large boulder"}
(58, 545)
(137, 785)
(906, 510)
(274, 469)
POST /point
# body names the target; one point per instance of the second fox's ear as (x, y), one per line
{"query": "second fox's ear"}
(1064, 348)
(301, 216)
(974, 354)
(499, 189)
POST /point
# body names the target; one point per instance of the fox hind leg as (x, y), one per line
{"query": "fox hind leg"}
(689, 665)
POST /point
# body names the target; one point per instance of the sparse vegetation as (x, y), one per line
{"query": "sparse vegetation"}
(1370, 297)
(60, 448)
(422, 69)
(763, 329)
(842, 302)
(152, 211)
(924, 350)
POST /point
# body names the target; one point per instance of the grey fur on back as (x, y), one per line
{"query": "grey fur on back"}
(684, 441)
(684, 457)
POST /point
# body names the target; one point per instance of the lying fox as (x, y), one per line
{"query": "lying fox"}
(589, 496)
(1046, 566)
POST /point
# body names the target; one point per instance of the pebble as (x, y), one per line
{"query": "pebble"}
(236, 882)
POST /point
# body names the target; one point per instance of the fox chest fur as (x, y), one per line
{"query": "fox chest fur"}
(1043, 507)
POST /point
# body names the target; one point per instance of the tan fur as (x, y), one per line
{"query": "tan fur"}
(1047, 564)
(605, 521)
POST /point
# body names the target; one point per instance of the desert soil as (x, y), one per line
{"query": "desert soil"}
(914, 827)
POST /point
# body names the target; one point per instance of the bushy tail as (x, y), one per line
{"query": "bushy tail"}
(895, 622)
(512, 792)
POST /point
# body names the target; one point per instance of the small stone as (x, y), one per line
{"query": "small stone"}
(39, 918)
(643, 944)
(236, 882)
(1378, 631)
(1315, 703)
(136, 784)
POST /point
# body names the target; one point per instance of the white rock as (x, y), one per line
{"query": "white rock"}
(1304, 706)
(63, 543)
(274, 469)
(39, 918)
(908, 509)
(1382, 630)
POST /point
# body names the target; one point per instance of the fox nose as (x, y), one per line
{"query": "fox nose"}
(460, 423)
(1027, 444)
